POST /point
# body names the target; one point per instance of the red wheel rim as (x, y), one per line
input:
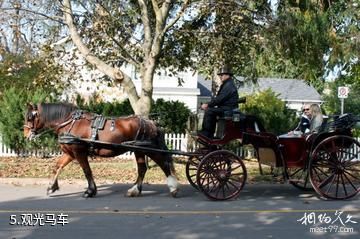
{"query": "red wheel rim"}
(221, 175)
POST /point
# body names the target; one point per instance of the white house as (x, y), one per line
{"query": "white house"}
(294, 92)
(168, 87)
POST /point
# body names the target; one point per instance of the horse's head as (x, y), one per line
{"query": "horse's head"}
(46, 116)
(32, 121)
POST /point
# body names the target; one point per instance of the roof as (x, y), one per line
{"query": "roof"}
(288, 89)
(204, 86)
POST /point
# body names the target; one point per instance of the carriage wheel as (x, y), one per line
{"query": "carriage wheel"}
(299, 178)
(192, 166)
(221, 175)
(335, 167)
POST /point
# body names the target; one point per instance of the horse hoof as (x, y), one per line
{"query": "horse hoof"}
(174, 193)
(51, 191)
(89, 194)
(132, 194)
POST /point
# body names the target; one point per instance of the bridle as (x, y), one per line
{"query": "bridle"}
(34, 133)
(31, 118)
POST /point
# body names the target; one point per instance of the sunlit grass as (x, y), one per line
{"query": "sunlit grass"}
(113, 169)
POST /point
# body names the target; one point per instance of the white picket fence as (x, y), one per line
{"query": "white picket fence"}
(173, 141)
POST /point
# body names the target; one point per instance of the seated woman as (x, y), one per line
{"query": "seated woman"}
(313, 113)
(316, 118)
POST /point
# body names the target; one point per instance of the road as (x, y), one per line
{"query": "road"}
(262, 211)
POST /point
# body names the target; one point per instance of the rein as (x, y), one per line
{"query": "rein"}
(37, 135)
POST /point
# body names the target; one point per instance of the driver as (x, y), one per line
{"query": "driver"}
(225, 100)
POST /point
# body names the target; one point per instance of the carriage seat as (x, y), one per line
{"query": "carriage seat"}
(234, 115)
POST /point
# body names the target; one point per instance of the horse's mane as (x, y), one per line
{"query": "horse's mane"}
(56, 111)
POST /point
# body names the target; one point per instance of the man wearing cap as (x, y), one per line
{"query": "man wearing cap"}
(225, 100)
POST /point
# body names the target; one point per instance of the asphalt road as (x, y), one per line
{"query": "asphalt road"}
(262, 211)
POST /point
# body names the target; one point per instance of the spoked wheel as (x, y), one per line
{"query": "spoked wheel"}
(335, 167)
(192, 166)
(191, 170)
(299, 178)
(221, 175)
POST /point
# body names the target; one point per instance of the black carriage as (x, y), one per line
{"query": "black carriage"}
(328, 162)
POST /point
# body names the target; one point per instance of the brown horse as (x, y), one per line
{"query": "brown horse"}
(77, 131)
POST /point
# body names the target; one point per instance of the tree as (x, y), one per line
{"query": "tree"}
(30, 74)
(225, 32)
(312, 38)
(25, 26)
(303, 39)
(147, 35)
(135, 33)
(200, 34)
(24, 64)
(332, 103)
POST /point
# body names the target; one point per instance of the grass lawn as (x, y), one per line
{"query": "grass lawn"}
(116, 170)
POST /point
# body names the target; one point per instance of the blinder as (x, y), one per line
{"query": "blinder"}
(31, 117)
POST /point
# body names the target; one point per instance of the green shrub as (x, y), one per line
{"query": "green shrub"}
(12, 110)
(170, 115)
(107, 108)
(271, 111)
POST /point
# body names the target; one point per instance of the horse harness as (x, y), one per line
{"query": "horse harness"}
(98, 123)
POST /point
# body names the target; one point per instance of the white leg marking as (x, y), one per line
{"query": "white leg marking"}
(172, 183)
(133, 191)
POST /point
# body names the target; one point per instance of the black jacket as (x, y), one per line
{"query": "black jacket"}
(303, 125)
(227, 97)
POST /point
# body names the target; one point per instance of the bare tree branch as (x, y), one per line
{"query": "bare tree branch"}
(178, 15)
(147, 29)
(156, 7)
(108, 70)
(165, 8)
(53, 18)
(4, 41)
(129, 59)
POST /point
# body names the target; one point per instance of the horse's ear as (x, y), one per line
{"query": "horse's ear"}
(29, 106)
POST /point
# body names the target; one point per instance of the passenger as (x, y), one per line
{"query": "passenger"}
(225, 100)
(304, 124)
(316, 118)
